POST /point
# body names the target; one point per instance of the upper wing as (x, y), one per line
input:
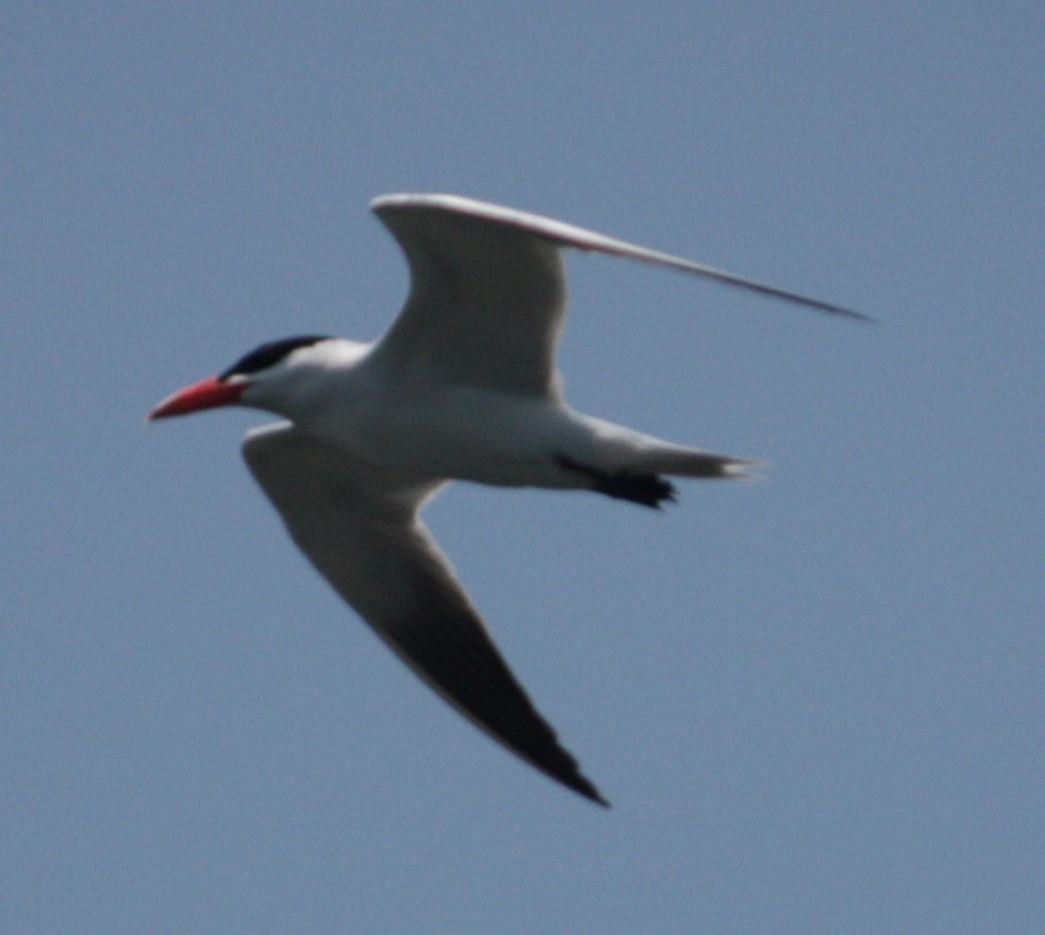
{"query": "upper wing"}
(363, 534)
(487, 295)
(488, 291)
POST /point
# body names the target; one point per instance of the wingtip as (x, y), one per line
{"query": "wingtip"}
(853, 314)
(583, 786)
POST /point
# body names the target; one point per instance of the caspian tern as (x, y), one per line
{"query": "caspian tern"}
(463, 386)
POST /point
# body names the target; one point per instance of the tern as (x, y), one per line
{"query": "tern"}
(463, 386)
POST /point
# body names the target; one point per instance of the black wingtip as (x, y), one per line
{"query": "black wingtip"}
(831, 309)
(583, 786)
(557, 763)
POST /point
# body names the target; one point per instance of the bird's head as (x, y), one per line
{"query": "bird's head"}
(260, 379)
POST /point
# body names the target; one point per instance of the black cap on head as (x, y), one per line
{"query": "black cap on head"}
(265, 356)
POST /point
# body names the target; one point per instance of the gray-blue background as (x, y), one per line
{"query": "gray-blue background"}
(815, 701)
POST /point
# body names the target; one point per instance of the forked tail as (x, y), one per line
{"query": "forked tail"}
(641, 482)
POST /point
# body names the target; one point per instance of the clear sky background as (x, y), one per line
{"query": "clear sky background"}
(815, 701)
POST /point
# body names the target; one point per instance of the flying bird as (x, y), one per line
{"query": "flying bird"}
(462, 386)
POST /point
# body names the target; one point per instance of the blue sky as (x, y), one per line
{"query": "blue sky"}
(815, 701)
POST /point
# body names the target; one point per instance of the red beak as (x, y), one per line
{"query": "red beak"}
(207, 394)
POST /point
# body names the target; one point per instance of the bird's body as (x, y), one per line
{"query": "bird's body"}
(420, 427)
(462, 387)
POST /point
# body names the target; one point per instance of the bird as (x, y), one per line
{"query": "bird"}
(462, 386)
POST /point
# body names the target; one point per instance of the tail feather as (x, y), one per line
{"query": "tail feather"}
(641, 482)
(628, 465)
(691, 462)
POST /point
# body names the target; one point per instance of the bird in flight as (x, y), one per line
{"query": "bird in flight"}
(463, 386)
